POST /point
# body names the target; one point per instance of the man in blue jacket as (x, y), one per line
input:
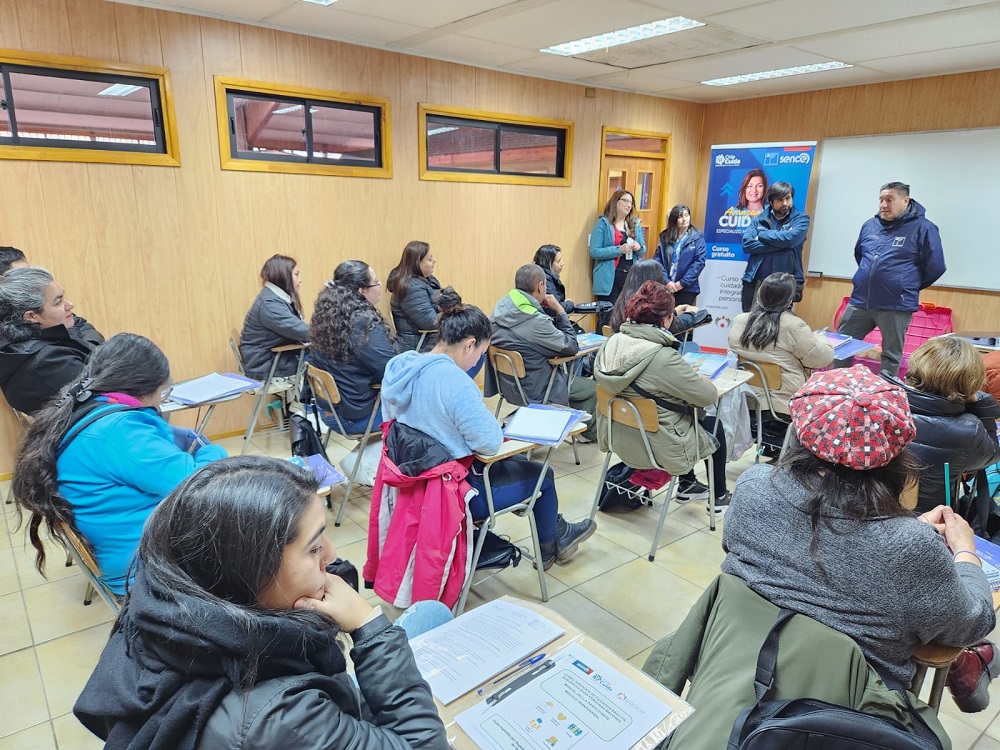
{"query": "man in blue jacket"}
(774, 243)
(898, 253)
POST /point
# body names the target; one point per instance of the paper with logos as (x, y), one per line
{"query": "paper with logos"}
(722, 280)
(580, 702)
(475, 647)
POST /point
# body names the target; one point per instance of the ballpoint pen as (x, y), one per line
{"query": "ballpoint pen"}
(520, 682)
(519, 668)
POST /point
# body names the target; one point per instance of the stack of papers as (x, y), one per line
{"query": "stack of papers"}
(545, 425)
(709, 365)
(590, 340)
(989, 553)
(211, 387)
(456, 657)
(324, 471)
(844, 346)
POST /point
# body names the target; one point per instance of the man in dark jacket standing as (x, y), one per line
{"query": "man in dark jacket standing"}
(899, 253)
(520, 324)
(774, 243)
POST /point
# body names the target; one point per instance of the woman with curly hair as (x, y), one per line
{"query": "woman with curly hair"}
(351, 340)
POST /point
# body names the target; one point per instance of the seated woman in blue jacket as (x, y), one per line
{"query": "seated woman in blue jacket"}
(616, 242)
(99, 458)
(681, 252)
(351, 340)
(432, 393)
(231, 636)
(274, 319)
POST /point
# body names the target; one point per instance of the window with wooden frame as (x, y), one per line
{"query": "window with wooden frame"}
(463, 145)
(265, 127)
(57, 108)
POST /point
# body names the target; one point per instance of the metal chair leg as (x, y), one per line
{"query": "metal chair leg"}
(937, 688)
(576, 453)
(663, 517)
(600, 485)
(88, 596)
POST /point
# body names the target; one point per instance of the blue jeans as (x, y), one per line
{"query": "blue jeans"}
(354, 427)
(420, 617)
(474, 370)
(512, 481)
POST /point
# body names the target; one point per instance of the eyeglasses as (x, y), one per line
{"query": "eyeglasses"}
(625, 199)
(165, 393)
(372, 286)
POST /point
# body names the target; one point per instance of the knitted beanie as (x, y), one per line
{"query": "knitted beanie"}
(852, 417)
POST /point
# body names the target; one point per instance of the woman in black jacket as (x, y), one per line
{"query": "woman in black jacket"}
(549, 257)
(274, 319)
(230, 635)
(43, 345)
(351, 340)
(415, 292)
(955, 420)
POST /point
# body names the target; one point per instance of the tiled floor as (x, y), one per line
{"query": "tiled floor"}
(49, 641)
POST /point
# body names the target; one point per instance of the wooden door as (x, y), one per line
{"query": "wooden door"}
(643, 177)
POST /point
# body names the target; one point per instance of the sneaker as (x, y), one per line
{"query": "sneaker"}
(970, 675)
(721, 504)
(569, 536)
(687, 491)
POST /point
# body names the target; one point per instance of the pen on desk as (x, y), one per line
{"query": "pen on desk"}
(519, 683)
(519, 668)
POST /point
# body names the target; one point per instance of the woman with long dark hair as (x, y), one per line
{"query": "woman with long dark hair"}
(681, 252)
(549, 259)
(43, 345)
(230, 635)
(274, 319)
(100, 458)
(432, 393)
(415, 291)
(639, 274)
(771, 332)
(640, 361)
(351, 340)
(616, 242)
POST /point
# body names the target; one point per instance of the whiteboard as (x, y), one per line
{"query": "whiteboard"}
(953, 174)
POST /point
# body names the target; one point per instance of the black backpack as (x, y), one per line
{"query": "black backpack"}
(807, 724)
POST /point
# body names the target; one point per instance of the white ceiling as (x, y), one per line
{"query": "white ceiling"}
(883, 41)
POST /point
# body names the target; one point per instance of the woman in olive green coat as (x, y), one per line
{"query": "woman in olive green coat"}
(640, 362)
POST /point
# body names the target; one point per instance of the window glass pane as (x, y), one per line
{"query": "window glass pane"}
(4, 117)
(62, 108)
(266, 126)
(616, 181)
(625, 142)
(465, 147)
(344, 134)
(531, 153)
(643, 188)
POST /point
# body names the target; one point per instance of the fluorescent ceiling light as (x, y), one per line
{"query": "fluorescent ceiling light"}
(119, 89)
(781, 73)
(320, 2)
(286, 110)
(624, 36)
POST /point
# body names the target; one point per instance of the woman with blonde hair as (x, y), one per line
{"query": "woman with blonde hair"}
(955, 420)
(616, 242)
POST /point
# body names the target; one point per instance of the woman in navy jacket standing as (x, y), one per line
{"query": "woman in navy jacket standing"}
(681, 252)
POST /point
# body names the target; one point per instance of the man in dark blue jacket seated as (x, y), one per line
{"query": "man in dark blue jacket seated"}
(774, 242)
(899, 253)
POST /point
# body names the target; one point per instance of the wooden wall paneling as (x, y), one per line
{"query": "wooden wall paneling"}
(137, 34)
(45, 26)
(854, 109)
(258, 49)
(10, 27)
(93, 30)
(124, 279)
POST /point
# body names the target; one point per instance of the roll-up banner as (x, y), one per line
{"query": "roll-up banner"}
(737, 192)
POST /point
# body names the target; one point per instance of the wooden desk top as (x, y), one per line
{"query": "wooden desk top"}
(510, 448)
(730, 379)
